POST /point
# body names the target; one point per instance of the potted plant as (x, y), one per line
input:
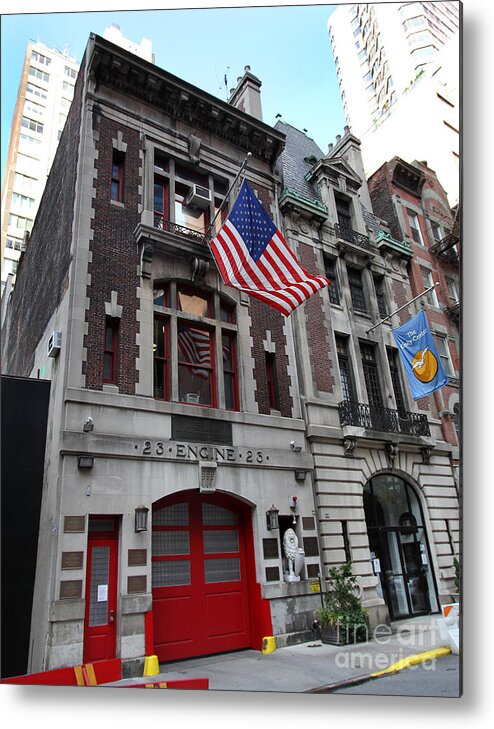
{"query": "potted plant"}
(343, 620)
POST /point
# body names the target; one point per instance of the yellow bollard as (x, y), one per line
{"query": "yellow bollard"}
(268, 645)
(151, 666)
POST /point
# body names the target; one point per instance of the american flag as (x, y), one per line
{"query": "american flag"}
(253, 256)
(195, 348)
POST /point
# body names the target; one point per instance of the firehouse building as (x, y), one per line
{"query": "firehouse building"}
(190, 426)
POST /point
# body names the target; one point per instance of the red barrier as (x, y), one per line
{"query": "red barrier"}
(57, 677)
(90, 674)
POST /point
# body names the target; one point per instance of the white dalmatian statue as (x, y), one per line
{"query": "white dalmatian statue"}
(295, 556)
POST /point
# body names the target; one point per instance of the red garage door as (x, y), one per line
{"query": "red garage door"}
(200, 596)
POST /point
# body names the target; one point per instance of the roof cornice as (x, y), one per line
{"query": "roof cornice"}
(112, 66)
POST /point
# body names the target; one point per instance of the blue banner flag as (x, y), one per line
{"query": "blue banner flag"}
(418, 352)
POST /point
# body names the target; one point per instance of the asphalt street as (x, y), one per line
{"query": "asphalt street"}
(440, 679)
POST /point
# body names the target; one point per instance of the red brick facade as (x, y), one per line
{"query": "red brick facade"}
(317, 329)
(114, 258)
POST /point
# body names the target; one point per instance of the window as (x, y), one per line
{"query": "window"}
(33, 109)
(457, 420)
(65, 103)
(195, 324)
(271, 381)
(452, 288)
(357, 292)
(36, 90)
(428, 282)
(68, 87)
(330, 272)
(343, 211)
(34, 126)
(195, 364)
(177, 214)
(24, 182)
(436, 231)
(443, 352)
(22, 201)
(414, 227)
(17, 221)
(13, 243)
(70, 72)
(117, 172)
(161, 358)
(43, 60)
(230, 371)
(371, 375)
(111, 351)
(380, 296)
(396, 381)
(39, 74)
(346, 541)
(345, 368)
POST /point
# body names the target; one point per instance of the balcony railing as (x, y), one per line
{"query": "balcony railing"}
(161, 224)
(385, 420)
(347, 234)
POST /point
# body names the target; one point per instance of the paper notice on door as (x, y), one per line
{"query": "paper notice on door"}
(102, 593)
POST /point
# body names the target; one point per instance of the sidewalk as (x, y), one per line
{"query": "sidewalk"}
(307, 667)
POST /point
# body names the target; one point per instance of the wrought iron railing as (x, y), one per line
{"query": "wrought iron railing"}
(385, 420)
(161, 224)
(446, 248)
(352, 236)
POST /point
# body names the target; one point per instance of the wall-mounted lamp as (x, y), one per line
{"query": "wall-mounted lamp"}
(272, 518)
(141, 518)
(300, 474)
(85, 462)
(293, 508)
(88, 425)
(295, 448)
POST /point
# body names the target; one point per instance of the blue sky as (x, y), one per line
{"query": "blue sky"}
(287, 47)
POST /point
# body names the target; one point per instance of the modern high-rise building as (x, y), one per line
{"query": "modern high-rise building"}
(44, 97)
(45, 94)
(398, 69)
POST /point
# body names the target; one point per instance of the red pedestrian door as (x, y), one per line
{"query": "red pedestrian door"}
(101, 589)
(200, 585)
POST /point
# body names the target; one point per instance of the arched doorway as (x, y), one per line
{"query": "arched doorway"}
(399, 546)
(200, 574)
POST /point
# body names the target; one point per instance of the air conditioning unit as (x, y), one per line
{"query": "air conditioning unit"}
(193, 398)
(55, 344)
(198, 197)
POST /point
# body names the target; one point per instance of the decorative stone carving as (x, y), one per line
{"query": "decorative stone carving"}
(426, 454)
(295, 556)
(349, 444)
(198, 269)
(391, 451)
(146, 261)
(194, 148)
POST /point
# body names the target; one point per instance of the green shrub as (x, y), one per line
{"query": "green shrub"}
(342, 607)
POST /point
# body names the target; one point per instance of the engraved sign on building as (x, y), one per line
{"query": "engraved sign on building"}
(201, 430)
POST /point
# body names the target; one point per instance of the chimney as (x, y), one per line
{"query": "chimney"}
(247, 95)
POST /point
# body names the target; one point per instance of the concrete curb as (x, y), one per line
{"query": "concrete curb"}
(395, 668)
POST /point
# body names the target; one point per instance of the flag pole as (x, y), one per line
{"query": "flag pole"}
(225, 200)
(426, 291)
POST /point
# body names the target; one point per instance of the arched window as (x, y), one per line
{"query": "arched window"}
(194, 346)
(457, 420)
